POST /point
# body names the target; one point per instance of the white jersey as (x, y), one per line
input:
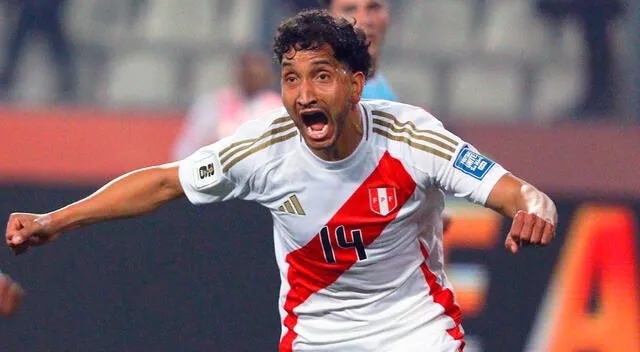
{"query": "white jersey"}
(358, 242)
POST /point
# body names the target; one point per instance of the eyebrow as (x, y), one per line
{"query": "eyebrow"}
(348, 7)
(315, 63)
(321, 62)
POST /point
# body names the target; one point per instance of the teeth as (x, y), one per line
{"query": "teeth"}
(317, 133)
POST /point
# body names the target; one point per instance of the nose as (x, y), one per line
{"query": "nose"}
(363, 19)
(307, 95)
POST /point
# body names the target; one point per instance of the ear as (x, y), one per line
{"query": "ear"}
(357, 85)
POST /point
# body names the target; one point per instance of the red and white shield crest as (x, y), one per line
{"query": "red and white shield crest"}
(382, 200)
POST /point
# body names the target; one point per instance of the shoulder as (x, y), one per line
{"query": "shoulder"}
(257, 140)
(410, 130)
(404, 113)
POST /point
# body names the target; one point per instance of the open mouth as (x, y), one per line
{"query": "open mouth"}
(316, 123)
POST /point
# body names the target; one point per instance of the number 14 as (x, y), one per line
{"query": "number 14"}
(341, 242)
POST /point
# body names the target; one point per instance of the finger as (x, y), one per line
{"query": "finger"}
(537, 232)
(516, 225)
(10, 297)
(37, 240)
(511, 245)
(4, 294)
(17, 237)
(20, 248)
(15, 230)
(15, 298)
(527, 228)
(548, 234)
(13, 223)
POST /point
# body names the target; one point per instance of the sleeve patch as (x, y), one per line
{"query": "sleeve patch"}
(206, 171)
(472, 163)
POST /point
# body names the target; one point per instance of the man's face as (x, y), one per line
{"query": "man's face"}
(370, 15)
(318, 91)
(253, 73)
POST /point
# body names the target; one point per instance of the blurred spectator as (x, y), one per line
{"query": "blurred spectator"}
(43, 17)
(373, 17)
(219, 114)
(595, 17)
(299, 5)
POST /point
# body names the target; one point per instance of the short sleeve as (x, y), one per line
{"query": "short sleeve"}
(454, 165)
(223, 170)
(204, 180)
(469, 174)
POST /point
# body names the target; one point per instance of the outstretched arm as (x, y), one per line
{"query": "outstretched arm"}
(533, 212)
(130, 195)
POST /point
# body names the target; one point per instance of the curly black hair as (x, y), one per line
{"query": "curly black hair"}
(311, 29)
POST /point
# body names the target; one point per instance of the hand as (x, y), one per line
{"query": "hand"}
(27, 230)
(10, 295)
(529, 228)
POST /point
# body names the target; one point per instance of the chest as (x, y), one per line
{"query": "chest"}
(340, 207)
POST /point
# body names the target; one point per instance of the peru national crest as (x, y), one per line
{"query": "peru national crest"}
(382, 200)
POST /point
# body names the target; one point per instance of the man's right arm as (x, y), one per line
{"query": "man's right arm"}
(130, 195)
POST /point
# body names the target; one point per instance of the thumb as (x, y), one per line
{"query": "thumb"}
(16, 237)
(511, 245)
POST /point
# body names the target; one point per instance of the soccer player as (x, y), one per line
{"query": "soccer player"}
(372, 16)
(355, 188)
(10, 295)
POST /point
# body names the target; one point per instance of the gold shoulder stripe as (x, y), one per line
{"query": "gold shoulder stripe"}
(412, 143)
(412, 134)
(412, 125)
(258, 148)
(251, 140)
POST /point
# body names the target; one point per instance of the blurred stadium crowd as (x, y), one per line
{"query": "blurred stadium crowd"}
(461, 59)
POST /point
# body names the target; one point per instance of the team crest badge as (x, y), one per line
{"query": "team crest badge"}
(382, 200)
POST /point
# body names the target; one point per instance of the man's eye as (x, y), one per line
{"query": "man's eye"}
(345, 11)
(323, 76)
(290, 79)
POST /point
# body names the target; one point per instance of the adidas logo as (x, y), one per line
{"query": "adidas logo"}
(292, 206)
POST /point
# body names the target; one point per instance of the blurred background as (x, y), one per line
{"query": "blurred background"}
(505, 60)
(90, 89)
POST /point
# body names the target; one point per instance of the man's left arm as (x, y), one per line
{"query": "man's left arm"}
(534, 213)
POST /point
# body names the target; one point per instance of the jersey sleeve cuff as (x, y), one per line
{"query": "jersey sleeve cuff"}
(184, 173)
(489, 182)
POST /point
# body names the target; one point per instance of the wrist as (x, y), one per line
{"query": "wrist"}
(44, 223)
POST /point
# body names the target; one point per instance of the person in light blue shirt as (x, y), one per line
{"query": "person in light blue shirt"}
(377, 87)
(372, 16)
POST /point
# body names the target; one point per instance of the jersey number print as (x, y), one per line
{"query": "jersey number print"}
(342, 242)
